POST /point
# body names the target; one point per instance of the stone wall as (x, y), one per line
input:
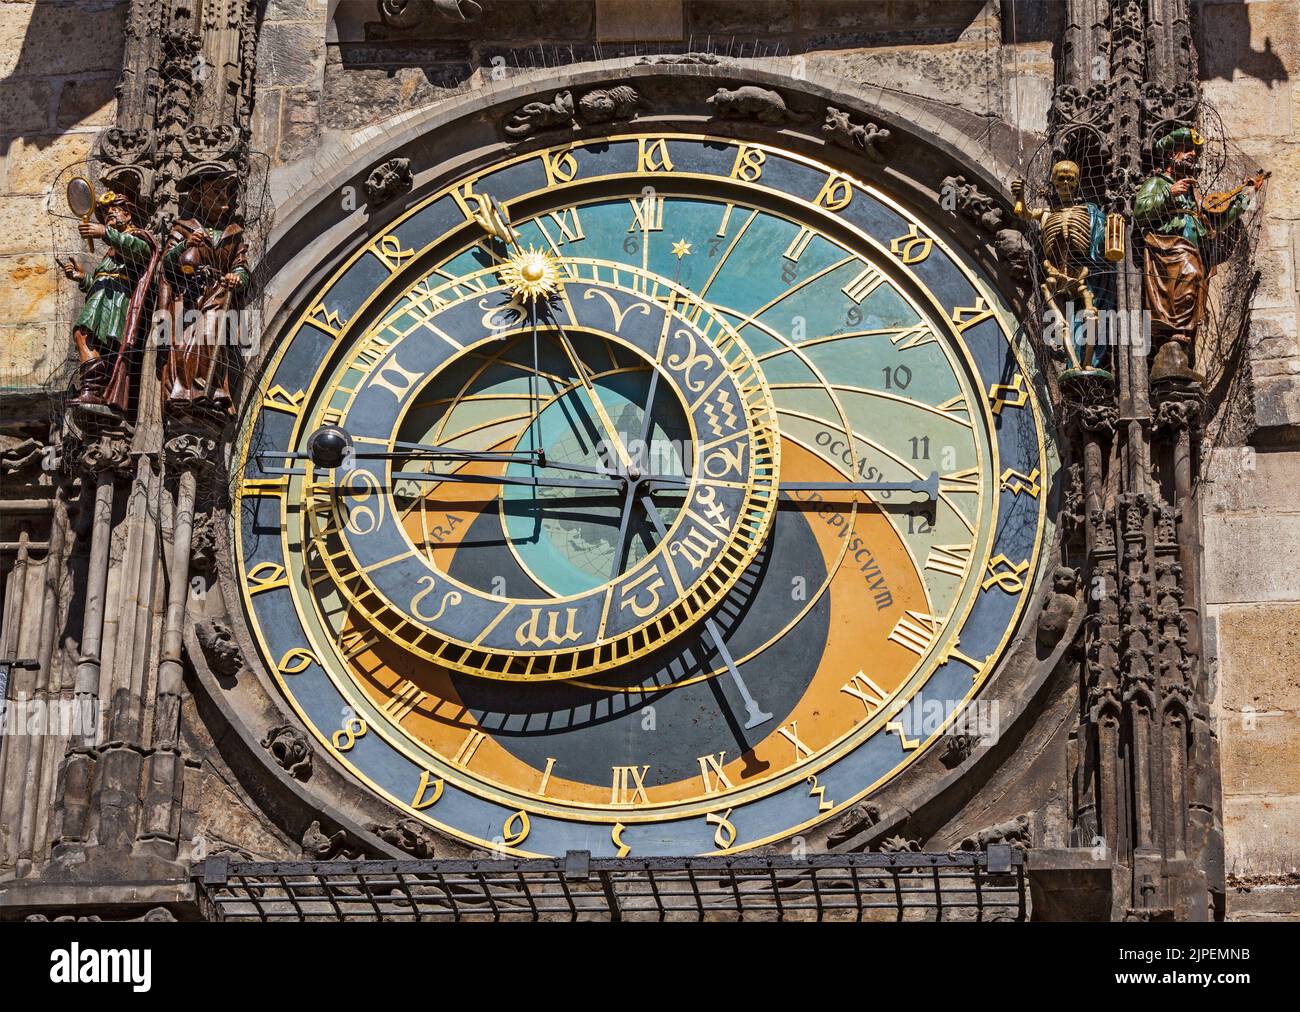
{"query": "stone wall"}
(1249, 63)
(59, 64)
(326, 69)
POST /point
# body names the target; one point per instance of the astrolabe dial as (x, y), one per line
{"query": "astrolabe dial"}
(673, 508)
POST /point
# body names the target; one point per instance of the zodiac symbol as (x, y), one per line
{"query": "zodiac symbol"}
(452, 597)
(685, 363)
(618, 314)
(724, 405)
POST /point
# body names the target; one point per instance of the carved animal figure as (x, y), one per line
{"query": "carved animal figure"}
(1058, 611)
(751, 102)
(1014, 832)
(864, 137)
(607, 104)
(534, 116)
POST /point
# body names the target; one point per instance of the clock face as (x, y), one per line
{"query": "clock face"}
(678, 515)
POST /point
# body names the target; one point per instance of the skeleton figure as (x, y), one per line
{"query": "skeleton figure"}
(1074, 236)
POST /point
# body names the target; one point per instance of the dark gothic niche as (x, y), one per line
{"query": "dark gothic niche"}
(388, 180)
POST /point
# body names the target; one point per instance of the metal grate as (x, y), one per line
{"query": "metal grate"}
(832, 887)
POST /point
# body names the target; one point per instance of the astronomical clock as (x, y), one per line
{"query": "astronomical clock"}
(655, 494)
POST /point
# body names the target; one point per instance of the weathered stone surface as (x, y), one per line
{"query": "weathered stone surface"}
(358, 98)
(1277, 402)
(29, 289)
(31, 352)
(1265, 902)
(1263, 33)
(639, 21)
(1242, 553)
(1262, 834)
(34, 162)
(299, 123)
(26, 105)
(1260, 753)
(957, 75)
(755, 17)
(61, 38)
(290, 53)
(1241, 478)
(28, 226)
(87, 101)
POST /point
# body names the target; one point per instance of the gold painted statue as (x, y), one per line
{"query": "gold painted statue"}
(1076, 255)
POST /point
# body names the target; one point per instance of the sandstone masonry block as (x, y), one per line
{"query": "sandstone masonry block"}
(1242, 554)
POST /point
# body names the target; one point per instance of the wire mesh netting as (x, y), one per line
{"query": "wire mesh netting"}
(848, 887)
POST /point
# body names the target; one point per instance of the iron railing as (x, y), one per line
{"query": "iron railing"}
(841, 887)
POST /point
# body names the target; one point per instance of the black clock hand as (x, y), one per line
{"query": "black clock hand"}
(929, 487)
(754, 713)
(631, 493)
(611, 485)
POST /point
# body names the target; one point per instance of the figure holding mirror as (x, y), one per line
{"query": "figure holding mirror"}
(116, 291)
(205, 272)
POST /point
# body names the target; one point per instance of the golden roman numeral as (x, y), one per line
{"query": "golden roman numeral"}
(647, 214)
(798, 244)
(405, 698)
(912, 337)
(791, 734)
(950, 559)
(863, 284)
(712, 775)
(467, 748)
(569, 224)
(629, 786)
(961, 481)
(867, 691)
(916, 631)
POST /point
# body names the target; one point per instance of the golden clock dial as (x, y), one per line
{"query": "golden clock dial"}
(679, 533)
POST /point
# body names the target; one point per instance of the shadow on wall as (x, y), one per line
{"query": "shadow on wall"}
(1233, 36)
(62, 71)
(375, 69)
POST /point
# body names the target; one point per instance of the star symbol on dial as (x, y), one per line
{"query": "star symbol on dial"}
(681, 248)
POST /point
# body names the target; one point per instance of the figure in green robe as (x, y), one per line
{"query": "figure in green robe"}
(1178, 226)
(115, 292)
